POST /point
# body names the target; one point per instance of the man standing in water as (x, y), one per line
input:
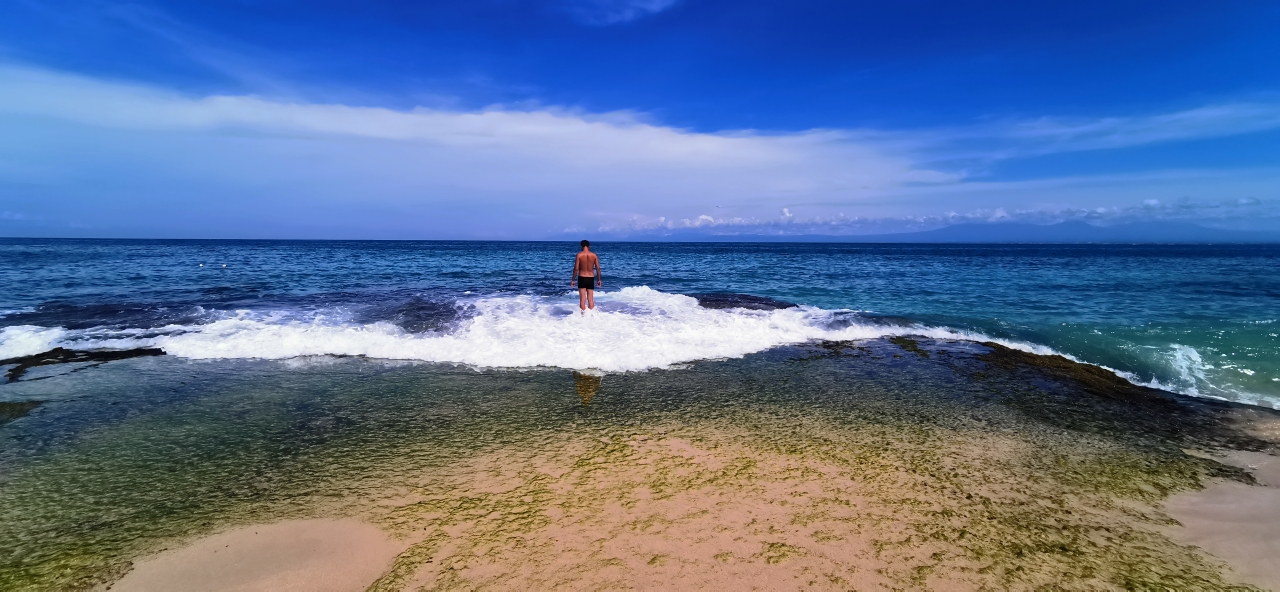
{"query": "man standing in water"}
(586, 270)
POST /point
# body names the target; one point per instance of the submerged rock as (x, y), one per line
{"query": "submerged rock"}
(1088, 398)
(910, 345)
(720, 300)
(416, 315)
(62, 355)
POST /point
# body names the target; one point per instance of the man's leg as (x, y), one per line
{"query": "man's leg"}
(591, 299)
(582, 298)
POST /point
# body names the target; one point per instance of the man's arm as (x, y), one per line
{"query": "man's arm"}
(596, 262)
(576, 263)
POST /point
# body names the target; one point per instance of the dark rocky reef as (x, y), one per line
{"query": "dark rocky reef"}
(1092, 379)
(61, 355)
(722, 300)
(416, 315)
(1056, 390)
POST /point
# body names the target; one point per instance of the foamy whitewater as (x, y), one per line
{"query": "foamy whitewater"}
(1196, 319)
(632, 329)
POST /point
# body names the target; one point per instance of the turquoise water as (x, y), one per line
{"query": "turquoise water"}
(1196, 319)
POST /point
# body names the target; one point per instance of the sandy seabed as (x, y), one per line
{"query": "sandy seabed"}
(658, 511)
(1018, 472)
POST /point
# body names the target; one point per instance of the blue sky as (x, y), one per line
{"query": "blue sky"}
(631, 118)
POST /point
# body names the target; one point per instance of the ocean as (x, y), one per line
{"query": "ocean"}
(1199, 320)
(772, 410)
(857, 462)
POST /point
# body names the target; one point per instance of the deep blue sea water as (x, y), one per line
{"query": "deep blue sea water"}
(1195, 319)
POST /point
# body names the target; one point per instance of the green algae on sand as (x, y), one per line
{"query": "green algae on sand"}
(833, 466)
(11, 410)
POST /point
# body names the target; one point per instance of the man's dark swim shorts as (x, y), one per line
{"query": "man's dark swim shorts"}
(586, 283)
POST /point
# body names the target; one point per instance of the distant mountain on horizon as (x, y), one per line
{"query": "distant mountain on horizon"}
(1019, 232)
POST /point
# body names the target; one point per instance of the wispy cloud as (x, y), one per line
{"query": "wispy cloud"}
(575, 140)
(614, 12)
(1062, 134)
(224, 57)
(619, 135)
(525, 171)
(1029, 137)
(554, 161)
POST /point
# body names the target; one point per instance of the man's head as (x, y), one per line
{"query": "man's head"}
(585, 243)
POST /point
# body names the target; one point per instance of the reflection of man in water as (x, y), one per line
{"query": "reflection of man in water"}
(586, 385)
(586, 270)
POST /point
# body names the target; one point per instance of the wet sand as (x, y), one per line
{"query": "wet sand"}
(299, 555)
(1236, 522)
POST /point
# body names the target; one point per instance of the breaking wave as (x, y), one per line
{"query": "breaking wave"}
(631, 329)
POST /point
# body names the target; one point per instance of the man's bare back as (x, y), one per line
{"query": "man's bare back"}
(586, 275)
(587, 264)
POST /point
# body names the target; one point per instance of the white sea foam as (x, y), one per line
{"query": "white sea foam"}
(1186, 372)
(26, 340)
(1188, 367)
(632, 329)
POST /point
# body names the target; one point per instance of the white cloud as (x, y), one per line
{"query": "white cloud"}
(558, 159)
(1121, 132)
(1022, 138)
(119, 154)
(572, 138)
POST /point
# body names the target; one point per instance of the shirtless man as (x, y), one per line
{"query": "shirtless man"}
(586, 271)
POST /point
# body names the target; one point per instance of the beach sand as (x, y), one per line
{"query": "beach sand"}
(298, 555)
(1237, 522)
(595, 515)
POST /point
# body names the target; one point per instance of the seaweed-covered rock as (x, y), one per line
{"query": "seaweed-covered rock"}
(1088, 398)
